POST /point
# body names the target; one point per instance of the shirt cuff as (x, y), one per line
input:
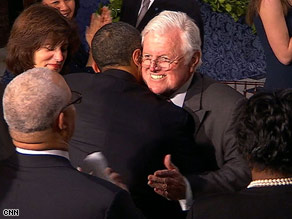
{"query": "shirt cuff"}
(186, 204)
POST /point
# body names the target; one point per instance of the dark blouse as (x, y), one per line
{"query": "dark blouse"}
(7, 77)
(279, 76)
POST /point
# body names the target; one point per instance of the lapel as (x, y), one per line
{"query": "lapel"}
(193, 101)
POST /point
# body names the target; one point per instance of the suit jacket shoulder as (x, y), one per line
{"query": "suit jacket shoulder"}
(59, 190)
(206, 93)
(215, 107)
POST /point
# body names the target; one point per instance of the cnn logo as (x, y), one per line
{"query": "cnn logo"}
(11, 212)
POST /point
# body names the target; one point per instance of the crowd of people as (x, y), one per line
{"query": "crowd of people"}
(135, 131)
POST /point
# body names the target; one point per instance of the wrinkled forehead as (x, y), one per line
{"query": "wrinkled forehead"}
(166, 43)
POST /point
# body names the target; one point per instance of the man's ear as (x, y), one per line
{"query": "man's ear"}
(195, 61)
(62, 124)
(137, 57)
(95, 67)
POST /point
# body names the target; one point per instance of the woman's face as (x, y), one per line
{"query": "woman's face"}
(51, 57)
(66, 7)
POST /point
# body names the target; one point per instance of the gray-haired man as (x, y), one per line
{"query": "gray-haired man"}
(39, 110)
(171, 55)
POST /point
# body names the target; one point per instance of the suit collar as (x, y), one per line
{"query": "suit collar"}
(120, 74)
(38, 161)
(193, 101)
(194, 95)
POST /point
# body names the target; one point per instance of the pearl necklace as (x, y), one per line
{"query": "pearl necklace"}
(270, 182)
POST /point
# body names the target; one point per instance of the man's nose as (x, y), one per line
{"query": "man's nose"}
(153, 66)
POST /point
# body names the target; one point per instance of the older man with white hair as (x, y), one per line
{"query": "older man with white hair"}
(38, 179)
(171, 55)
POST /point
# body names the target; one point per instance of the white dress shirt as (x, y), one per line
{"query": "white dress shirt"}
(60, 153)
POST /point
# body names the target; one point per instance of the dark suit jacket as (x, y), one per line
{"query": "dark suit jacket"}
(254, 203)
(214, 107)
(6, 146)
(134, 129)
(130, 9)
(47, 186)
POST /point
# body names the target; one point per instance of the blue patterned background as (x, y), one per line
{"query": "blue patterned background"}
(231, 51)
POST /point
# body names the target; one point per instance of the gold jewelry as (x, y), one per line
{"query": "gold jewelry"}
(270, 182)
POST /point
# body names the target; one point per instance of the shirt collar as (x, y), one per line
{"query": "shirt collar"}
(178, 97)
(60, 153)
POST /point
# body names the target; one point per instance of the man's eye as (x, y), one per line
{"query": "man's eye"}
(163, 59)
(146, 57)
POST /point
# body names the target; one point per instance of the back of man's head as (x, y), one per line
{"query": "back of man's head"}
(114, 44)
(33, 100)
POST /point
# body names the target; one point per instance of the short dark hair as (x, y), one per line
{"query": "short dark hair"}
(114, 44)
(33, 27)
(264, 131)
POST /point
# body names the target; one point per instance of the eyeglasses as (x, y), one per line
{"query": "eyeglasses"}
(75, 99)
(162, 62)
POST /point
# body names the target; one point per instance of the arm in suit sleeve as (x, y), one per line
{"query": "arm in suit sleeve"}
(122, 207)
(233, 173)
(6, 145)
(180, 141)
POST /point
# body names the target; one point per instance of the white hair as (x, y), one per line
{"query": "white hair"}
(166, 21)
(32, 100)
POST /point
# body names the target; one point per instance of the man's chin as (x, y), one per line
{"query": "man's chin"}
(155, 90)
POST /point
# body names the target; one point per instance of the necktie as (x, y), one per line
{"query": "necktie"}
(143, 11)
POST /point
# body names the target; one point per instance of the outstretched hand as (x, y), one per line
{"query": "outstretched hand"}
(96, 22)
(169, 182)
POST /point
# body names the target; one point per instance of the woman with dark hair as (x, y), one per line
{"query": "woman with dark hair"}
(69, 8)
(40, 37)
(273, 22)
(264, 136)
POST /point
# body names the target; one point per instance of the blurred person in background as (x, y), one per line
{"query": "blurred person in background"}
(273, 22)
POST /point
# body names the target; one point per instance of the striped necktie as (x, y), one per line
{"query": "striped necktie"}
(143, 11)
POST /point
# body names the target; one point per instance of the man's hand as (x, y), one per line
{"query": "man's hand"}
(96, 22)
(168, 183)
